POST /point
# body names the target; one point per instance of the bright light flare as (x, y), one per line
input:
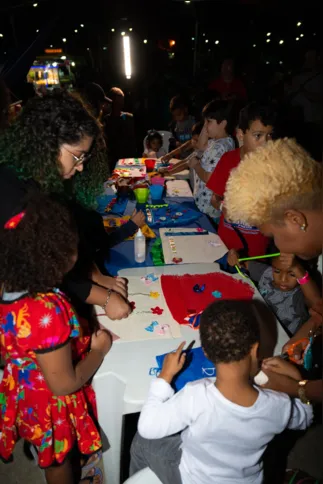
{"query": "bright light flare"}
(127, 56)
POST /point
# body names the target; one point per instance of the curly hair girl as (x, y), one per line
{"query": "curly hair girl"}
(48, 137)
(38, 246)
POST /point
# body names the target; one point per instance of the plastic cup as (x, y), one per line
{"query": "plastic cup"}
(158, 180)
(150, 165)
(141, 194)
(156, 192)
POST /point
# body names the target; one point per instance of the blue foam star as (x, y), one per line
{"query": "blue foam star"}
(217, 294)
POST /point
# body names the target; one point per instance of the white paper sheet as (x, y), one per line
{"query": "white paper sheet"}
(133, 328)
(192, 249)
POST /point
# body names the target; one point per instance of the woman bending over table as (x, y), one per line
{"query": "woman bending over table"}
(278, 189)
(56, 146)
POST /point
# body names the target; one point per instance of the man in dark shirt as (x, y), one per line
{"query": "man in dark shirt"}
(119, 130)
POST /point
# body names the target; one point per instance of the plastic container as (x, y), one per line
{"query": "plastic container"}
(141, 194)
(156, 192)
(140, 247)
(158, 180)
(150, 165)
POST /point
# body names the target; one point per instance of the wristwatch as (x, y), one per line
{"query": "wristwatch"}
(302, 393)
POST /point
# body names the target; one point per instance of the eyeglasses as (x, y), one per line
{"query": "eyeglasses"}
(79, 160)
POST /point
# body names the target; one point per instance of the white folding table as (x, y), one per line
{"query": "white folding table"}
(122, 382)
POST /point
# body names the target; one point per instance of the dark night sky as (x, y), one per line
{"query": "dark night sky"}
(238, 24)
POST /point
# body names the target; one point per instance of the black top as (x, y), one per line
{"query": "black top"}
(94, 241)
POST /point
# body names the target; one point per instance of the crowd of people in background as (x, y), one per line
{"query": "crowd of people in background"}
(262, 193)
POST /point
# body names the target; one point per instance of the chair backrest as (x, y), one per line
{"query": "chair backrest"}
(146, 476)
(166, 137)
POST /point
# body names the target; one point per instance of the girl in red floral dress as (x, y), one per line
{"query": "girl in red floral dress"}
(50, 356)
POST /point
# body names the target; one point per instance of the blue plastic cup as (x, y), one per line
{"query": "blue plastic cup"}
(156, 192)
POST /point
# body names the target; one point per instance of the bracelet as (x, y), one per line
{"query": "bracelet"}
(304, 280)
(302, 393)
(107, 300)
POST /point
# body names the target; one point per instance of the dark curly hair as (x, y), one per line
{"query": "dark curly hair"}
(228, 330)
(253, 112)
(36, 255)
(31, 145)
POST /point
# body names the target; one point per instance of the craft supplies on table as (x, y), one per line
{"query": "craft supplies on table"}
(188, 295)
(150, 319)
(130, 172)
(131, 162)
(178, 188)
(191, 245)
(168, 215)
(197, 366)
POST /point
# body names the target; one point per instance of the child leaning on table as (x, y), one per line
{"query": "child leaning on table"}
(50, 355)
(211, 433)
(286, 287)
(215, 140)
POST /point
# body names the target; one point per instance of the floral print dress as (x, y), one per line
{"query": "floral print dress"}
(28, 408)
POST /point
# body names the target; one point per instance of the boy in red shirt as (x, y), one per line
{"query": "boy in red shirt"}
(256, 124)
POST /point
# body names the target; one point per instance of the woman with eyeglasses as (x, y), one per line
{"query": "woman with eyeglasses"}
(56, 146)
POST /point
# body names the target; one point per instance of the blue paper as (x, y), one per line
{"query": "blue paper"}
(171, 216)
(118, 208)
(197, 366)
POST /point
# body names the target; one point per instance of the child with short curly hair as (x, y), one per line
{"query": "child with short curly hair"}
(215, 433)
(45, 397)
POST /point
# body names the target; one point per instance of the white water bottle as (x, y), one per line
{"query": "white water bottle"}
(140, 247)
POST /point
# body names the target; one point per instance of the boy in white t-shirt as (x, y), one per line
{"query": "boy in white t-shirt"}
(215, 433)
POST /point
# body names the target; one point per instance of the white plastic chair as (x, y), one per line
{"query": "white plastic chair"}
(146, 476)
(166, 137)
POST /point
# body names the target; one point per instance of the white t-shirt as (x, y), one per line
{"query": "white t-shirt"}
(211, 157)
(222, 442)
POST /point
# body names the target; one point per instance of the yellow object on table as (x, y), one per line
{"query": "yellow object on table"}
(115, 222)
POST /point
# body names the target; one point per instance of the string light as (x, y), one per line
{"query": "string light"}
(35, 5)
(123, 34)
(130, 30)
(280, 62)
(63, 57)
(64, 40)
(268, 40)
(1, 35)
(206, 41)
(299, 24)
(297, 38)
(82, 25)
(73, 64)
(267, 63)
(268, 34)
(193, 38)
(254, 45)
(217, 42)
(37, 31)
(54, 64)
(145, 41)
(113, 30)
(302, 35)
(281, 42)
(76, 31)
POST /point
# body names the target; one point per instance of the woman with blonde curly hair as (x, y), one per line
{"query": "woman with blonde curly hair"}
(278, 188)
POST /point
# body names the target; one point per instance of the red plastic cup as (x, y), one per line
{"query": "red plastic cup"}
(150, 164)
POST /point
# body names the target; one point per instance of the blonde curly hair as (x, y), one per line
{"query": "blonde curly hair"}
(270, 180)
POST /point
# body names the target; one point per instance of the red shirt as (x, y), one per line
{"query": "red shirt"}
(228, 89)
(255, 242)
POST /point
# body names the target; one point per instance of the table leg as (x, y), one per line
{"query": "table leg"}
(109, 391)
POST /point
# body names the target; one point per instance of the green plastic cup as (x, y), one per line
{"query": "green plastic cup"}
(141, 194)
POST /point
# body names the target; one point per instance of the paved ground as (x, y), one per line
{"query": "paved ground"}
(21, 470)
